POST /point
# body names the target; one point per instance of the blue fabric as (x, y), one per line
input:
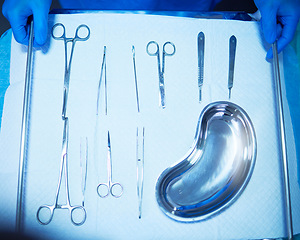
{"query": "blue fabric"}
(154, 5)
(5, 41)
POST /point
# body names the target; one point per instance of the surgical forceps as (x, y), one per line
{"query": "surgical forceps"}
(161, 71)
(64, 165)
(66, 40)
(104, 189)
(103, 71)
(64, 154)
(140, 149)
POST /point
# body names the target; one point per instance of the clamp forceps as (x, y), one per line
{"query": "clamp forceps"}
(110, 187)
(64, 154)
(161, 71)
(62, 36)
(63, 165)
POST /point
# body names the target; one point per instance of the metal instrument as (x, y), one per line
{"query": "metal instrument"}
(232, 50)
(64, 165)
(64, 154)
(60, 28)
(103, 70)
(287, 194)
(110, 187)
(161, 70)
(24, 130)
(140, 150)
(135, 80)
(201, 41)
(83, 165)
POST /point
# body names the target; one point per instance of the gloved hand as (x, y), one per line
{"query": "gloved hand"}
(17, 13)
(279, 19)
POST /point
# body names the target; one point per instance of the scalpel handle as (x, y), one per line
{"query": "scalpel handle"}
(232, 50)
(201, 41)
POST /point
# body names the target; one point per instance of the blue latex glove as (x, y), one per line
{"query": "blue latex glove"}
(17, 13)
(279, 19)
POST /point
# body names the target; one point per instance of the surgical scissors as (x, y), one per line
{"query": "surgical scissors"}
(62, 36)
(104, 189)
(64, 165)
(154, 51)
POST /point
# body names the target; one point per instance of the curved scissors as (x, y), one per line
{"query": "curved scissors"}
(64, 165)
(59, 33)
(104, 189)
(154, 45)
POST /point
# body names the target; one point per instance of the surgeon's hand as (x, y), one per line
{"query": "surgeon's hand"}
(279, 19)
(17, 13)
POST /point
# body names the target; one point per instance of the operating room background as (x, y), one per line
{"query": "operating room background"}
(225, 5)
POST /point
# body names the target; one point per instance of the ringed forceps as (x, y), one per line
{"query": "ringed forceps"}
(66, 40)
(161, 70)
(64, 154)
(113, 188)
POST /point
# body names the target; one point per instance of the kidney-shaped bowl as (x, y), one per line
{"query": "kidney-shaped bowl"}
(216, 169)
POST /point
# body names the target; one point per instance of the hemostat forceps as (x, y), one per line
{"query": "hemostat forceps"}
(63, 165)
(66, 40)
(64, 154)
(161, 71)
(113, 188)
(140, 149)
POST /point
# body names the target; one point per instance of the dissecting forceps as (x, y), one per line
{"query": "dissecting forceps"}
(232, 50)
(64, 154)
(135, 80)
(140, 150)
(161, 71)
(103, 70)
(110, 187)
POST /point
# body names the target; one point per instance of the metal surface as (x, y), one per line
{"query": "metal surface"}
(113, 188)
(161, 69)
(24, 130)
(216, 169)
(288, 210)
(201, 41)
(232, 50)
(140, 150)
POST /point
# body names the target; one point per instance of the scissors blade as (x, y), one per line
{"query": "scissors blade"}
(109, 162)
(201, 41)
(232, 51)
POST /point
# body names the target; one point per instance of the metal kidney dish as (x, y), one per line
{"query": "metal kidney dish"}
(216, 169)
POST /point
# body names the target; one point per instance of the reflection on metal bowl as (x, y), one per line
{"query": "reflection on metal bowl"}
(216, 169)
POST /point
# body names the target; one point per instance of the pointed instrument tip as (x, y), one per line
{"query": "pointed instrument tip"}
(108, 138)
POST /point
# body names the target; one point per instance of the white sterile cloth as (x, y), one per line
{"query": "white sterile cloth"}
(169, 133)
